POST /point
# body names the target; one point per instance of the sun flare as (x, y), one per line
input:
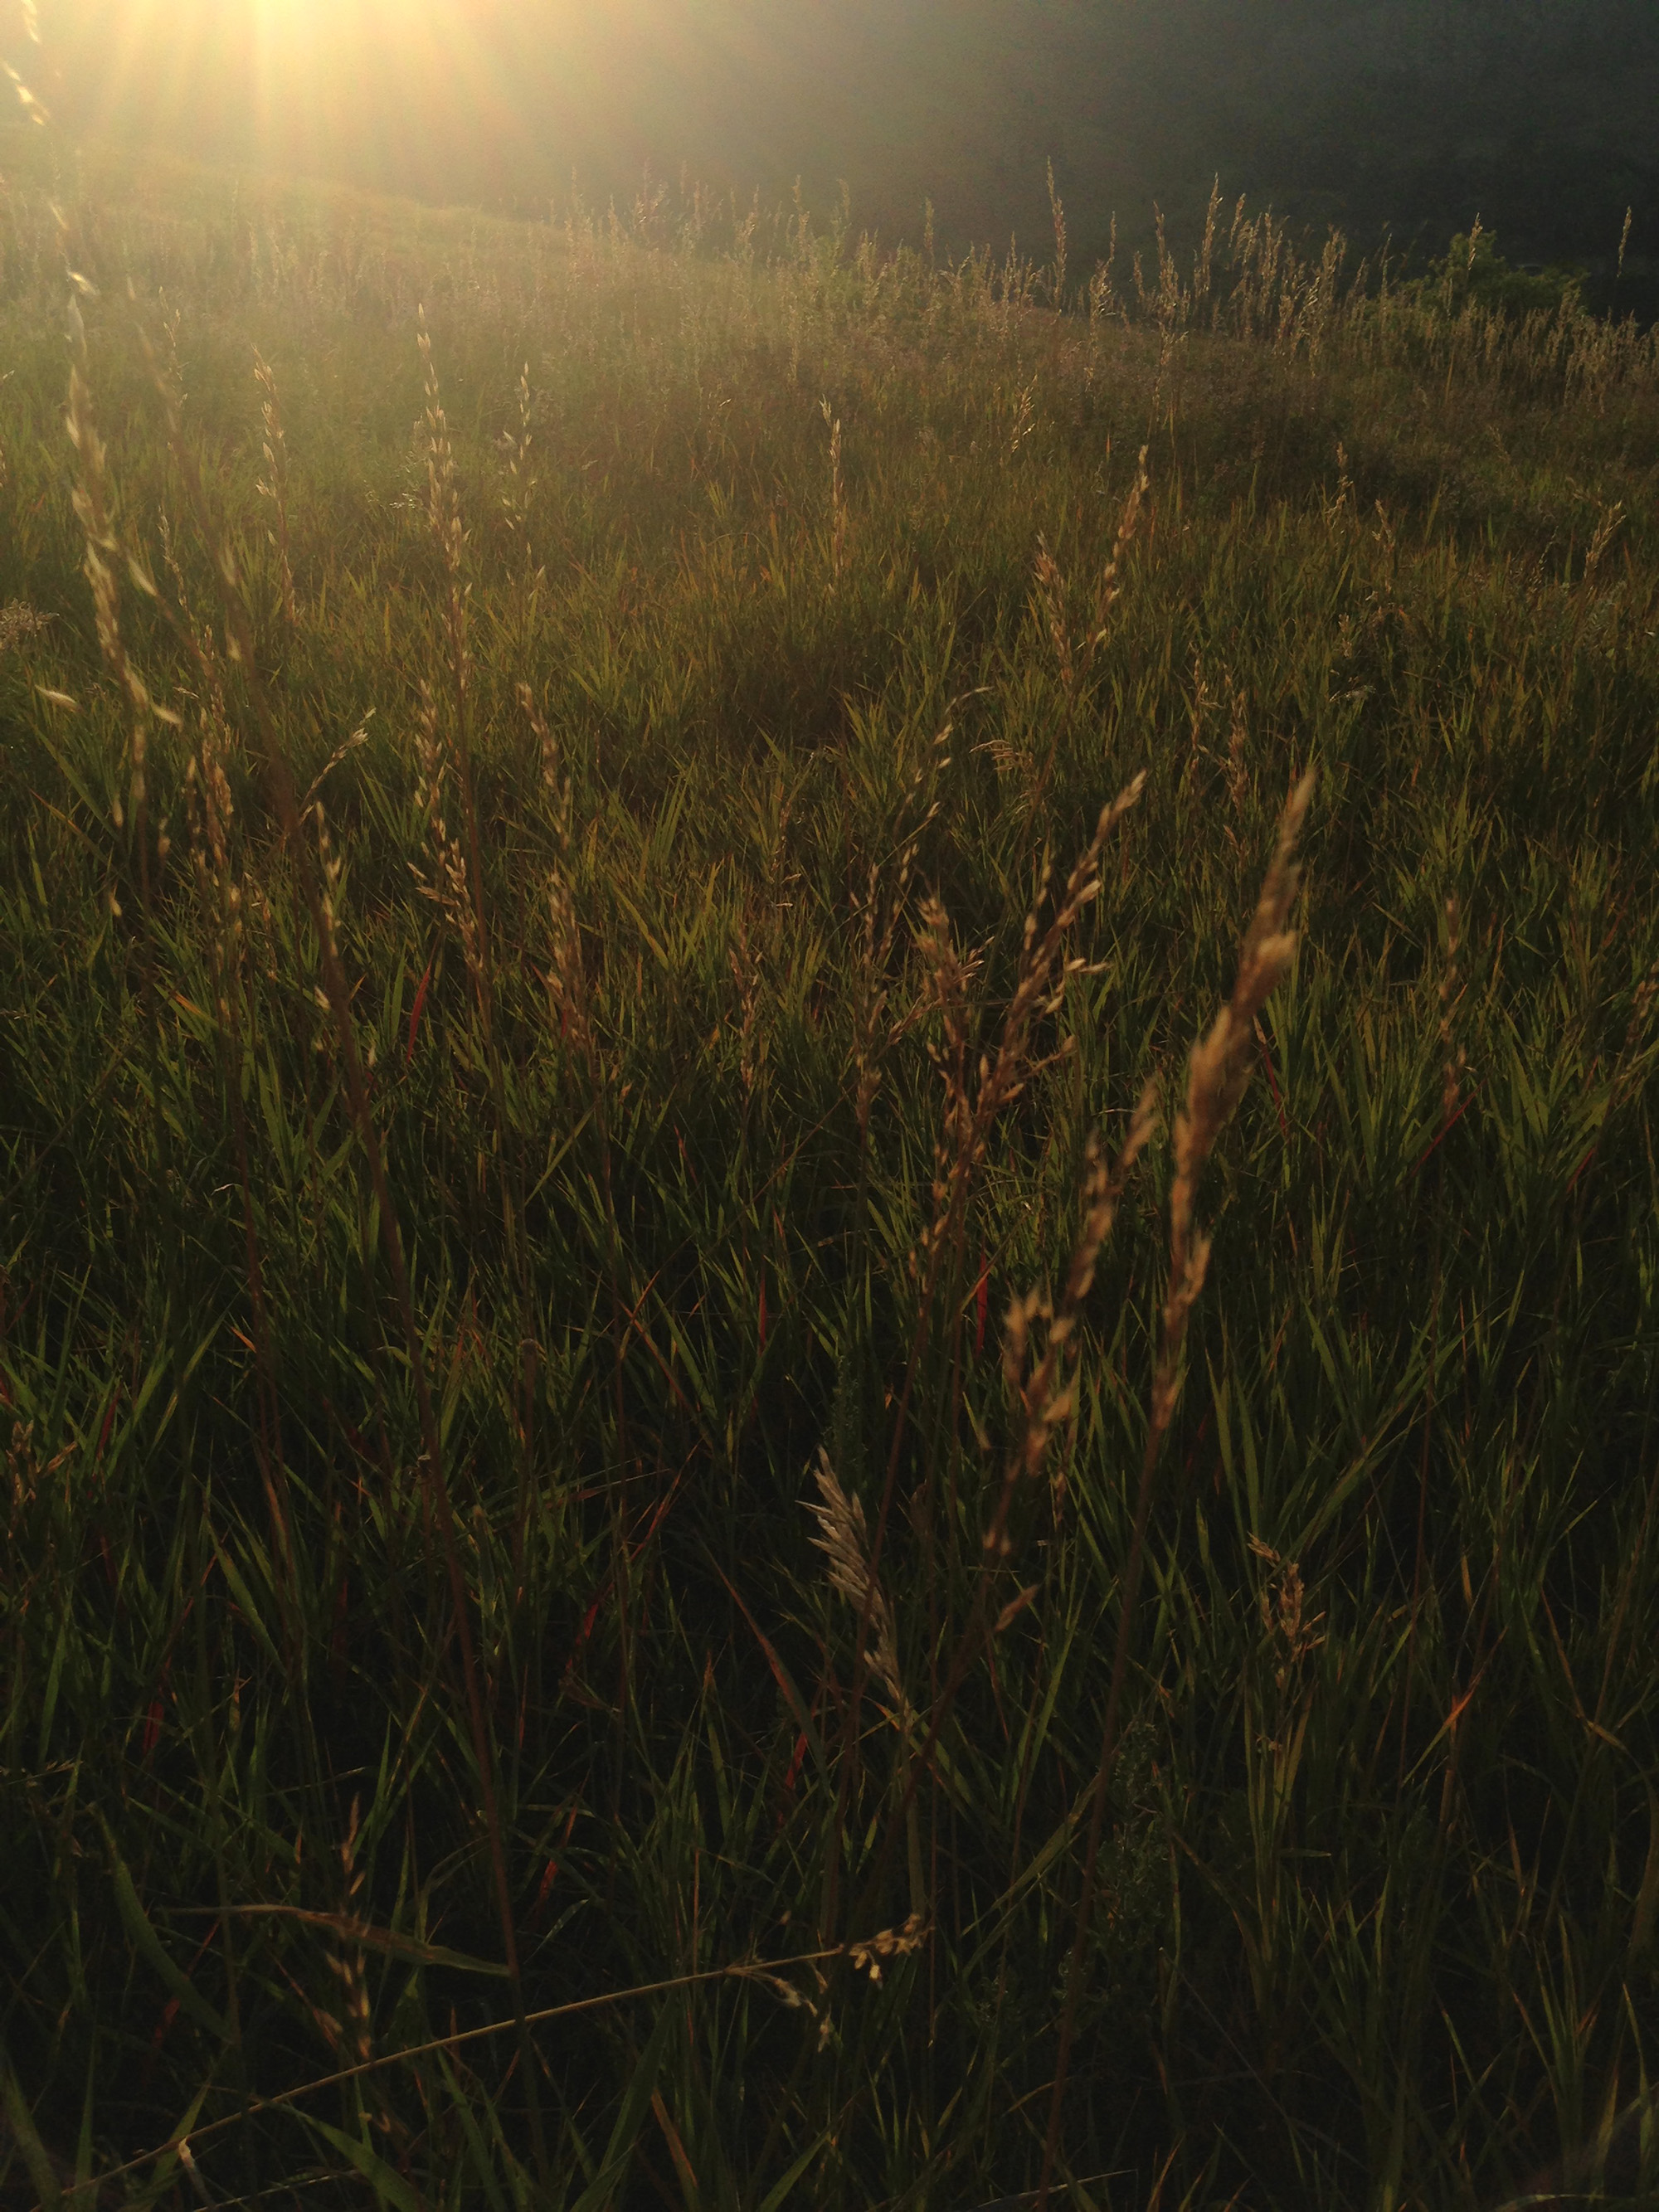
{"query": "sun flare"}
(503, 101)
(388, 91)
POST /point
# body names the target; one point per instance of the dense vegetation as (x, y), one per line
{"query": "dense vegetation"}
(567, 1586)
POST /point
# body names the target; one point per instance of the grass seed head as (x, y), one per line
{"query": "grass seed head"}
(844, 1541)
(21, 623)
(1047, 1395)
(273, 485)
(1217, 1076)
(874, 1951)
(1110, 585)
(1051, 591)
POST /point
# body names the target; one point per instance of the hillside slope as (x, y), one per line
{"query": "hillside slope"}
(1535, 114)
(686, 1505)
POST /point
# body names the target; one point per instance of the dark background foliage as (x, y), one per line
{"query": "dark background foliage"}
(1407, 117)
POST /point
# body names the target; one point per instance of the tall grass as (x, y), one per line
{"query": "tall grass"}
(583, 1624)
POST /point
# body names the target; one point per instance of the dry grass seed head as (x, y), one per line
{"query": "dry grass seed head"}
(751, 1041)
(837, 497)
(869, 1003)
(950, 975)
(1047, 1395)
(349, 2030)
(331, 870)
(566, 973)
(346, 747)
(1051, 591)
(273, 485)
(786, 1994)
(27, 1478)
(443, 501)
(1291, 1631)
(1220, 1064)
(517, 499)
(210, 811)
(93, 500)
(879, 917)
(1040, 982)
(1219, 1071)
(209, 667)
(1607, 519)
(1103, 1191)
(1238, 775)
(1057, 212)
(19, 622)
(972, 1105)
(1103, 302)
(445, 884)
(869, 1955)
(566, 970)
(1203, 699)
(92, 507)
(844, 1541)
(555, 783)
(1109, 588)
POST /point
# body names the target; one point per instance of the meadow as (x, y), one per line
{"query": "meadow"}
(828, 1257)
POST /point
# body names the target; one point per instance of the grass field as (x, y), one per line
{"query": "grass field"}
(663, 1438)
